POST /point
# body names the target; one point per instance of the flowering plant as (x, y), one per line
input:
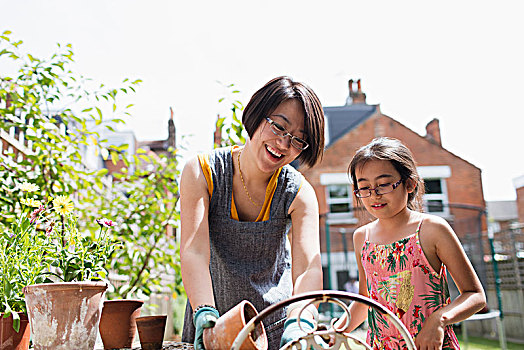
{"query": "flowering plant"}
(43, 245)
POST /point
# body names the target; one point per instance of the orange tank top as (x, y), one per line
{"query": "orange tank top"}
(270, 189)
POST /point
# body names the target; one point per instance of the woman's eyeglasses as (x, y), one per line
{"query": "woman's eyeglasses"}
(379, 190)
(279, 130)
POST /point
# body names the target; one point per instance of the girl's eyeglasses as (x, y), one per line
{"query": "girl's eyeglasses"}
(379, 190)
(279, 130)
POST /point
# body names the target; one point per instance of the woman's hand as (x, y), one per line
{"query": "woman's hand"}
(292, 330)
(205, 317)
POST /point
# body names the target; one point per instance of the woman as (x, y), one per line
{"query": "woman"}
(238, 204)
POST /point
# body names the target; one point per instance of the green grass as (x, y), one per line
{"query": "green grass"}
(477, 343)
(474, 343)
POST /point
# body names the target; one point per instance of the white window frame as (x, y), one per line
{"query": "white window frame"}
(326, 129)
(439, 197)
(328, 179)
(438, 172)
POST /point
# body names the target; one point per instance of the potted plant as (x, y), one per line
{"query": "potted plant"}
(21, 263)
(60, 271)
(55, 145)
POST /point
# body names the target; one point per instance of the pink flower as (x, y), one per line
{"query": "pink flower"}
(35, 213)
(105, 222)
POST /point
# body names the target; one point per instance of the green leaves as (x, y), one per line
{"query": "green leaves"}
(232, 125)
(145, 203)
(22, 250)
(9, 312)
(55, 145)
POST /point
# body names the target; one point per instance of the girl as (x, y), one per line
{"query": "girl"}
(403, 255)
(239, 203)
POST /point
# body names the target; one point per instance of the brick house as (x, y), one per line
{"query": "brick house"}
(453, 185)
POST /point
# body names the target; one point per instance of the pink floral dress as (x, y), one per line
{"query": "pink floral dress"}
(400, 277)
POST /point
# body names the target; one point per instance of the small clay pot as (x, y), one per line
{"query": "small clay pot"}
(151, 331)
(117, 323)
(227, 327)
(9, 338)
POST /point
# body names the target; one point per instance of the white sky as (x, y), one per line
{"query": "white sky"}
(459, 61)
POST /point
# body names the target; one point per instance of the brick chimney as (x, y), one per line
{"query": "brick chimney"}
(433, 132)
(518, 183)
(217, 136)
(171, 139)
(356, 96)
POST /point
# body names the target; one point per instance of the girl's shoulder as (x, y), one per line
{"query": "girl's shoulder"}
(435, 228)
(433, 222)
(361, 230)
(361, 233)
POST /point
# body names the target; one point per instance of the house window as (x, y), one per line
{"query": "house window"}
(436, 197)
(338, 197)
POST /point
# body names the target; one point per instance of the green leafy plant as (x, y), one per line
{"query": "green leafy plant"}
(146, 201)
(53, 117)
(21, 263)
(231, 124)
(58, 119)
(41, 102)
(43, 244)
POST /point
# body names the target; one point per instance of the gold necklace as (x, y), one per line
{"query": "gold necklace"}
(242, 178)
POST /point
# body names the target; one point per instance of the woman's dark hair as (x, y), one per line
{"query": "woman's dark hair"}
(390, 149)
(271, 95)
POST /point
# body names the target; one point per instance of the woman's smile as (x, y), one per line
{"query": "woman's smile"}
(274, 153)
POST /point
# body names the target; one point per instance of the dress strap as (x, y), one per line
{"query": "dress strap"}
(419, 224)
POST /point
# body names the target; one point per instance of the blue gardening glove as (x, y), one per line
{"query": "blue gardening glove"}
(204, 317)
(292, 330)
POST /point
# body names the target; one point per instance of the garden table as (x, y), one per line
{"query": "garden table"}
(341, 340)
(167, 345)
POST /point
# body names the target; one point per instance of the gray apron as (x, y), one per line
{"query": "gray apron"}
(249, 260)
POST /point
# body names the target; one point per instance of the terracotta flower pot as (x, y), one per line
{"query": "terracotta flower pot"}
(151, 331)
(9, 338)
(64, 316)
(222, 336)
(117, 324)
